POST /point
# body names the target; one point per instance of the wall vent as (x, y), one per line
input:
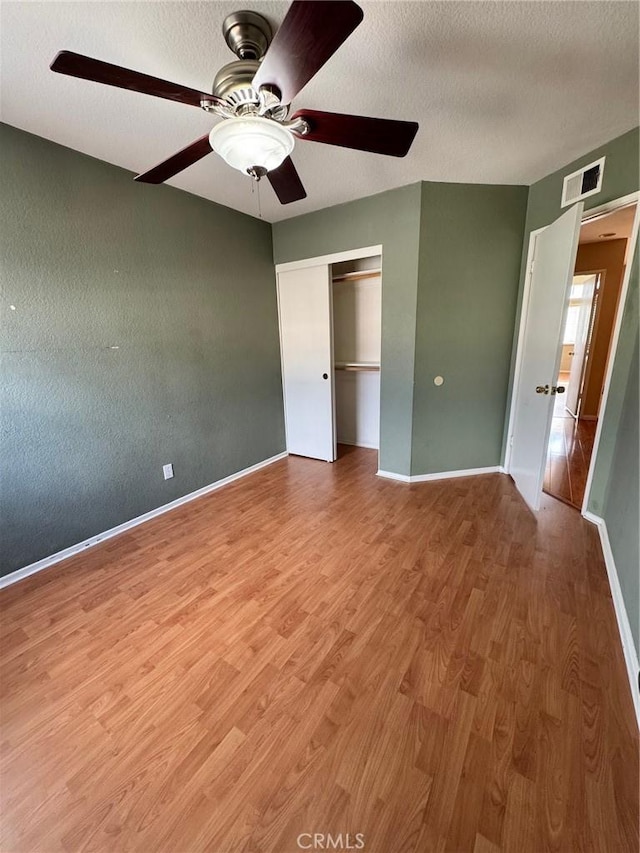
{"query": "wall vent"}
(583, 183)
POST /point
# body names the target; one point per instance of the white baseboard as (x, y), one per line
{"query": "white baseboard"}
(19, 574)
(389, 475)
(624, 626)
(358, 444)
(447, 475)
(442, 475)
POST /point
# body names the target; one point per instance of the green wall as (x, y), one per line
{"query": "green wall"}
(614, 493)
(620, 178)
(622, 368)
(183, 287)
(451, 257)
(622, 501)
(391, 219)
(470, 249)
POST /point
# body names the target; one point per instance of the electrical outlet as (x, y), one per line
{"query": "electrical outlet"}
(167, 470)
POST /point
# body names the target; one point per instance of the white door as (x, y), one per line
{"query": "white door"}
(582, 303)
(304, 305)
(553, 264)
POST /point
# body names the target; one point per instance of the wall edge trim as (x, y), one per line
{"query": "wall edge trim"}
(72, 550)
(333, 258)
(622, 617)
(391, 475)
(442, 475)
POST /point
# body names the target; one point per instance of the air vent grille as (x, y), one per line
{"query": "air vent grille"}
(583, 183)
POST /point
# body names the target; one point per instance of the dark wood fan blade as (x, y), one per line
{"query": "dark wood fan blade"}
(286, 182)
(77, 65)
(378, 135)
(168, 168)
(310, 34)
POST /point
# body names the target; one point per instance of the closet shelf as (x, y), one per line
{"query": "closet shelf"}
(356, 365)
(354, 276)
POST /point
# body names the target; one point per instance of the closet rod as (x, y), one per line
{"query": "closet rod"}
(354, 276)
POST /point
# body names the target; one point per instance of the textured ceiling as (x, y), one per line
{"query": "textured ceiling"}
(505, 92)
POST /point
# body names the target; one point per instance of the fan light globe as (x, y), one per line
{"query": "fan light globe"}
(251, 141)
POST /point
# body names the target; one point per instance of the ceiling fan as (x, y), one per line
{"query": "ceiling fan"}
(252, 95)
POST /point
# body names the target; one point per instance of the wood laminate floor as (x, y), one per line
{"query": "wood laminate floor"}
(569, 453)
(570, 449)
(317, 650)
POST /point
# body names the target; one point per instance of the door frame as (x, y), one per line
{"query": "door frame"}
(328, 260)
(334, 258)
(615, 336)
(600, 210)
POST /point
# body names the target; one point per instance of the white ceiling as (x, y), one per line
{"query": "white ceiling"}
(611, 226)
(618, 225)
(505, 92)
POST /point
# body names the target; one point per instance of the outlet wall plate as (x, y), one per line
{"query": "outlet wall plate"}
(167, 470)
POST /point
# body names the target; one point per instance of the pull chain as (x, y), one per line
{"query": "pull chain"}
(257, 172)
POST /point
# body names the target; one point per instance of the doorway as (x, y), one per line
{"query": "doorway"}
(604, 251)
(570, 246)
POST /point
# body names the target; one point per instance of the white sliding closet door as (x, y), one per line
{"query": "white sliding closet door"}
(304, 305)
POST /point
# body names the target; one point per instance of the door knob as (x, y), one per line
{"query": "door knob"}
(542, 389)
(325, 375)
(558, 389)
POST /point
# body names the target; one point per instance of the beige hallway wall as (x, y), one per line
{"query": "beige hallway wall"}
(592, 257)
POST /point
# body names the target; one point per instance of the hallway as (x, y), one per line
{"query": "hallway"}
(569, 454)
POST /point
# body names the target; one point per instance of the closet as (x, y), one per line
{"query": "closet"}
(357, 312)
(329, 312)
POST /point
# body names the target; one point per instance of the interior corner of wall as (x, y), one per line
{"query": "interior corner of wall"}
(423, 185)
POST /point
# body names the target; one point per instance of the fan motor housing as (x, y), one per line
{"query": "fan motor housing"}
(233, 84)
(235, 79)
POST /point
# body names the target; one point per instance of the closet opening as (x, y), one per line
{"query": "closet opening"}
(357, 312)
(330, 316)
(357, 325)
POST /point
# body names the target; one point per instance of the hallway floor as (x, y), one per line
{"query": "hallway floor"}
(570, 448)
(569, 455)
